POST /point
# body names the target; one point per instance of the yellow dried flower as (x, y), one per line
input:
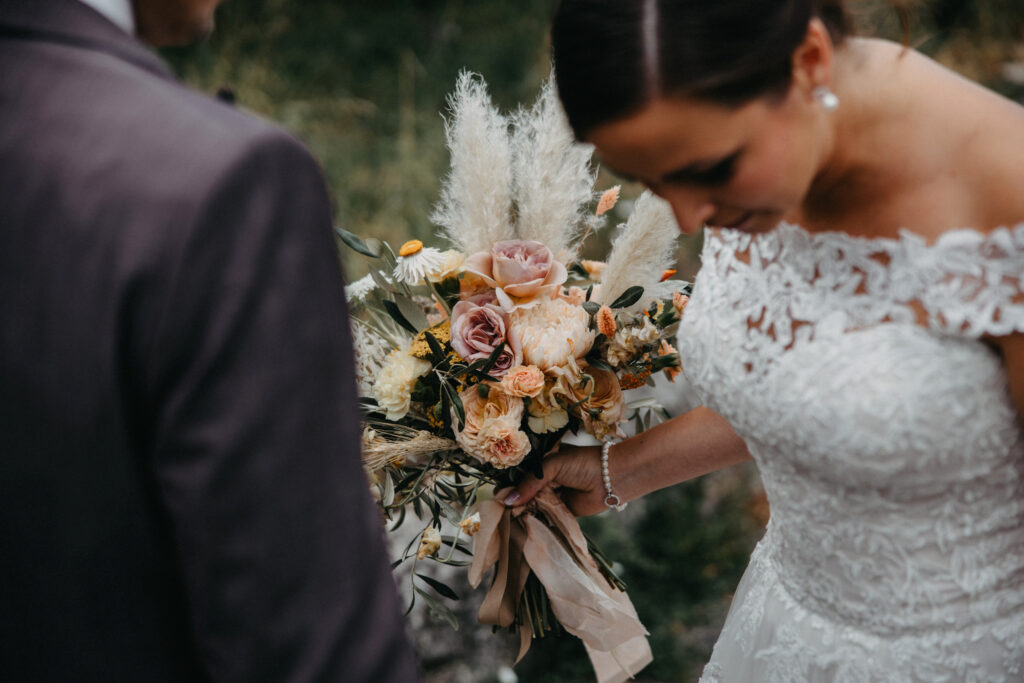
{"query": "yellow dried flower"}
(430, 543)
(435, 421)
(441, 332)
(607, 201)
(606, 322)
(471, 524)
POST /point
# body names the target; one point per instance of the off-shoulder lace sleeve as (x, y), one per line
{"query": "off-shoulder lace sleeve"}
(973, 283)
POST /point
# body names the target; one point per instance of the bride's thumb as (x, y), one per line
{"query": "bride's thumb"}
(526, 490)
(529, 487)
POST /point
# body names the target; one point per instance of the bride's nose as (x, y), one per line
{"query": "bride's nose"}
(691, 209)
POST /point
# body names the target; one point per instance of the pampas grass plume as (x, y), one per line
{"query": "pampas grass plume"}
(552, 179)
(644, 249)
(474, 210)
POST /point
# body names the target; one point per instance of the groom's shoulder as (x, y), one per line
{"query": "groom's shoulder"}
(179, 128)
(174, 144)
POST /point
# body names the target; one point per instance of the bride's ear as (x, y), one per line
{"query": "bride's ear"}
(812, 59)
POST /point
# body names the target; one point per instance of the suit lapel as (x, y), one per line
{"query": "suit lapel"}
(73, 23)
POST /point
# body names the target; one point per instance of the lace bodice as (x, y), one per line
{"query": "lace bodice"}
(889, 447)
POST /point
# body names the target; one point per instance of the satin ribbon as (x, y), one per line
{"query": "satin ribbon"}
(545, 538)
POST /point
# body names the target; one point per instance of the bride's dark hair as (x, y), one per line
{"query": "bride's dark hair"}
(613, 56)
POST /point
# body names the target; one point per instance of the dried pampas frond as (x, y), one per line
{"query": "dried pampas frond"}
(475, 206)
(553, 181)
(399, 445)
(370, 351)
(642, 251)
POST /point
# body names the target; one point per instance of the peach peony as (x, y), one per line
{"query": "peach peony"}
(552, 332)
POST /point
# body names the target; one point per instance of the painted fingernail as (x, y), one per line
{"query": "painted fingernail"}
(512, 498)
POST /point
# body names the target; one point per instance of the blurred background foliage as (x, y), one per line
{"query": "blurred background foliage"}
(363, 84)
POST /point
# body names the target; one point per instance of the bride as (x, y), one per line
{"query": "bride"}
(857, 326)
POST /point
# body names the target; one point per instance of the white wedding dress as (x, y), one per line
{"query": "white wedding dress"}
(889, 447)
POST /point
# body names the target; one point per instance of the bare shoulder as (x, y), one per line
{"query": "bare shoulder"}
(987, 131)
(1003, 176)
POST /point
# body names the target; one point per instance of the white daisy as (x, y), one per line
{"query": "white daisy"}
(415, 261)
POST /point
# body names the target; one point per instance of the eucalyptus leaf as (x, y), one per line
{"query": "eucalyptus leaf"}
(591, 307)
(455, 543)
(396, 314)
(438, 608)
(435, 347)
(356, 243)
(449, 512)
(453, 396)
(413, 313)
(629, 297)
(381, 280)
(441, 588)
(493, 358)
(590, 291)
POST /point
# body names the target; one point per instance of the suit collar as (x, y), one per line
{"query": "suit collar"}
(73, 23)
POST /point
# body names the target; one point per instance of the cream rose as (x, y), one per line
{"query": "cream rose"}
(552, 332)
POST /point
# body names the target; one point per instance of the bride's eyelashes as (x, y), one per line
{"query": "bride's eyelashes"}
(716, 173)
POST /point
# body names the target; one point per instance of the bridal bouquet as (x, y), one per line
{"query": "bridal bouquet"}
(474, 362)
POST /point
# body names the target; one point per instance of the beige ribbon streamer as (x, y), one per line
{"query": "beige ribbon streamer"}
(584, 602)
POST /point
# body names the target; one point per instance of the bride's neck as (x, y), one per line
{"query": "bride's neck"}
(869, 80)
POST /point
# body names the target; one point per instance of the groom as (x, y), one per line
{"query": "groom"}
(181, 497)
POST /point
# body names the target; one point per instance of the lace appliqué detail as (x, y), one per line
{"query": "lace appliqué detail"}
(891, 452)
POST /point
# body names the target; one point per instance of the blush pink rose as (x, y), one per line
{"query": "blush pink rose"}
(477, 330)
(518, 270)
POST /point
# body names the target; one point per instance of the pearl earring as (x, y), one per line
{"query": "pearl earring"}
(828, 99)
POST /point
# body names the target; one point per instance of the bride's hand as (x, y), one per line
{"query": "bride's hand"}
(575, 474)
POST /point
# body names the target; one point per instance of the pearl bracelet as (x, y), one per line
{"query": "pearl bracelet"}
(611, 500)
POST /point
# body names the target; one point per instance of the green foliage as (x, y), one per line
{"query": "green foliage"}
(364, 85)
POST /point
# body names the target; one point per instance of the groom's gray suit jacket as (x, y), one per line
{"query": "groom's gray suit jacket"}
(181, 496)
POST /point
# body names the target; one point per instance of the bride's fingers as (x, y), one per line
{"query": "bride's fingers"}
(529, 487)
